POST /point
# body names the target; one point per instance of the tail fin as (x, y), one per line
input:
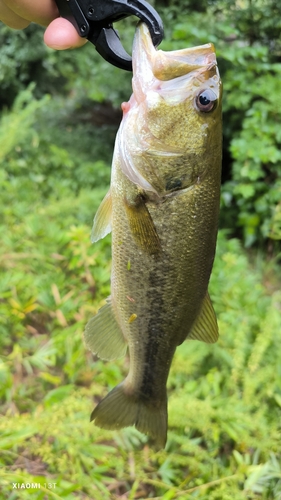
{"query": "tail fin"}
(118, 410)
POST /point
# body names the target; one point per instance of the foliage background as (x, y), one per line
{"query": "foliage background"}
(59, 115)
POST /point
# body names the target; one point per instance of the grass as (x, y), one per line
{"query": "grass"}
(224, 400)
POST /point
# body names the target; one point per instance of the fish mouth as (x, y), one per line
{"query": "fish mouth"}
(165, 66)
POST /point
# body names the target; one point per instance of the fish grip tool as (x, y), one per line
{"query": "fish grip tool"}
(93, 19)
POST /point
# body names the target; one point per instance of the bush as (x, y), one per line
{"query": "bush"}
(248, 47)
(247, 39)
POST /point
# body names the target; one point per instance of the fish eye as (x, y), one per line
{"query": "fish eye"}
(206, 100)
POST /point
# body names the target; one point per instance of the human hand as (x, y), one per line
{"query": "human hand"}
(60, 34)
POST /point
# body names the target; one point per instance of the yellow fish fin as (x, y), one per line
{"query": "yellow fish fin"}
(142, 226)
(103, 335)
(122, 408)
(205, 327)
(102, 220)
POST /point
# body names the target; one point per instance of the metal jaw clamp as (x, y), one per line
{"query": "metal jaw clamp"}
(93, 20)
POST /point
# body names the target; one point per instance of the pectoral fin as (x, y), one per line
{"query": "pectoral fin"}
(142, 226)
(205, 327)
(103, 335)
(102, 220)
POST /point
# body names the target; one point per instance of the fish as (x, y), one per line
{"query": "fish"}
(162, 209)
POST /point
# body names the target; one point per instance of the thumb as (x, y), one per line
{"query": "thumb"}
(61, 34)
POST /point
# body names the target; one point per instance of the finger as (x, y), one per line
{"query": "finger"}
(61, 35)
(40, 12)
(11, 19)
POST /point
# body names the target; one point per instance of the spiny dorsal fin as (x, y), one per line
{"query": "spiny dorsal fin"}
(142, 226)
(103, 335)
(102, 220)
(205, 327)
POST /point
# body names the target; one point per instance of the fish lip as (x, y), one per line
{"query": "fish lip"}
(159, 71)
(167, 65)
(172, 65)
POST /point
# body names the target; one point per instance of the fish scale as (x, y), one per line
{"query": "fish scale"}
(163, 210)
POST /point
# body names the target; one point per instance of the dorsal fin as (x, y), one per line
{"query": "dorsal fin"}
(102, 220)
(103, 335)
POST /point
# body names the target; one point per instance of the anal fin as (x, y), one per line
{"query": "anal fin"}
(205, 327)
(103, 335)
(102, 220)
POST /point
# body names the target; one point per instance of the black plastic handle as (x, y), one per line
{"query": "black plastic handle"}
(93, 20)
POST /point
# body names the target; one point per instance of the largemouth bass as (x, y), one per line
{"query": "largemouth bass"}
(163, 208)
